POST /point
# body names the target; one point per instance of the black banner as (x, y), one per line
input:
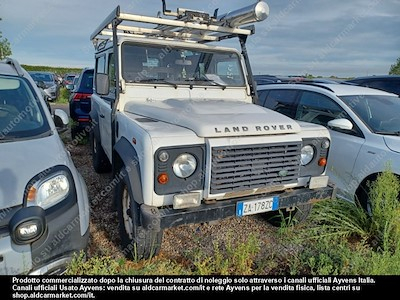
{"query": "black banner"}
(99, 287)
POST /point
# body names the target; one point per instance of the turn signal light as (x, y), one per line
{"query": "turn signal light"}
(322, 162)
(162, 178)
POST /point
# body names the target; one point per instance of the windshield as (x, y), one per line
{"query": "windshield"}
(21, 114)
(41, 77)
(166, 65)
(380, 113)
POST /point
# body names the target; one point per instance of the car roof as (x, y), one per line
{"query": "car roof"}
(336, 88)
(40, 72)
(372, 77)
(7, 69)
(87, 69)
(12, 67)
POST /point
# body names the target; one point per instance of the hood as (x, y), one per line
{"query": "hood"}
(392, 142)
(21, 161)
(216, 118)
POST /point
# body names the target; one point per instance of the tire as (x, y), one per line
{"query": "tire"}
(284, 217)
(138, 243)
(100, 161)
(74, 132)
(362, 198)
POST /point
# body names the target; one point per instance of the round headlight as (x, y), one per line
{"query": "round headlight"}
(184, 165)
(307, 154)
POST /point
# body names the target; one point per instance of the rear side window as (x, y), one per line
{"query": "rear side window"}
(283, 101)
(391, 86)
(86, 84)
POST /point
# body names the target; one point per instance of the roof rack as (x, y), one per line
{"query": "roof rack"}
(15, 65)
(188, 25)
(316, 84)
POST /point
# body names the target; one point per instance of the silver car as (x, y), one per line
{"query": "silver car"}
(44, 207)
(49, 82)
(364, 124)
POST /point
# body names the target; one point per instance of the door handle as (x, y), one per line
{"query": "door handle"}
(101, 116)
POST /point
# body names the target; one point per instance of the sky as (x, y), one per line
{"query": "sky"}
(323, 38)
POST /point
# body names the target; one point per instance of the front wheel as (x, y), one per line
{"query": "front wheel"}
(138, 242)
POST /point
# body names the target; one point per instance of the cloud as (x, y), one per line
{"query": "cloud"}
(346, 38)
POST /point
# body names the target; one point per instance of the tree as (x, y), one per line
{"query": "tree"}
(5, 47)
(395, 68)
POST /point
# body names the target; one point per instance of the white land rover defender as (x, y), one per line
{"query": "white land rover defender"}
(174, 119)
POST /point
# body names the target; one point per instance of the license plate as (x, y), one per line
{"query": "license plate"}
(244, 208)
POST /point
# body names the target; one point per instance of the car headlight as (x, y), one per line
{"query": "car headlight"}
(184, 165)
(307, 155)
(49, 191)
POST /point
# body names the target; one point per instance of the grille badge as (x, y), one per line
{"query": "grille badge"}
(283, 173)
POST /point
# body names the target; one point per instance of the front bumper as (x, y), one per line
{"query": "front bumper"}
(167, 217)
(51, 253)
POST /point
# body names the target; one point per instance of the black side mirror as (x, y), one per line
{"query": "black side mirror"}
(41, 84)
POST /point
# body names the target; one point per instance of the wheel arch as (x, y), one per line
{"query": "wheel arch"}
(371, 177)
(125, 155)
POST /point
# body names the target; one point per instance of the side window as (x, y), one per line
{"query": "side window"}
(101, 64)
(111, 73)
(318, 109)
(283, 101)
(262, 96)
(387, 85)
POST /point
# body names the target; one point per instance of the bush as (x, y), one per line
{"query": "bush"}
(344, 240)
(64, 95)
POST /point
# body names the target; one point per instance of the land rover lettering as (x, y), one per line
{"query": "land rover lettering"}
(266, 128)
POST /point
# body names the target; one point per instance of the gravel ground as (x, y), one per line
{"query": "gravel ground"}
(177, 240)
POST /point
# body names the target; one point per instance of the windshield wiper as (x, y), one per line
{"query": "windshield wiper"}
(7, 138)
(395, 133)
(215, 83)
(149, 80)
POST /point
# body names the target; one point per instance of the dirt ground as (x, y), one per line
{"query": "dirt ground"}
(177, 240)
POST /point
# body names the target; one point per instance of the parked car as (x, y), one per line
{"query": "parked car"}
(72, 85)
(44, 205)
(45, 96)
(80, 102)
(388, 83)
(49, 79)
(364, 124)
(68, 79)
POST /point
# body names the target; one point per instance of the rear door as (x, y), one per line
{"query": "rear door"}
(85, 89)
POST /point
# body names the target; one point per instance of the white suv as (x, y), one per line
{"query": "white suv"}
(364, 125)
(174, 117)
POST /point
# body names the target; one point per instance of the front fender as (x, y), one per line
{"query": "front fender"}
(129, 163)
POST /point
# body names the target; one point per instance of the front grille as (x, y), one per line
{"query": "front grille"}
(238, 168)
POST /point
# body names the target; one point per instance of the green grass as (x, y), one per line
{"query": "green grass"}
(339, 238)
(64, 96)
(57, 70)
